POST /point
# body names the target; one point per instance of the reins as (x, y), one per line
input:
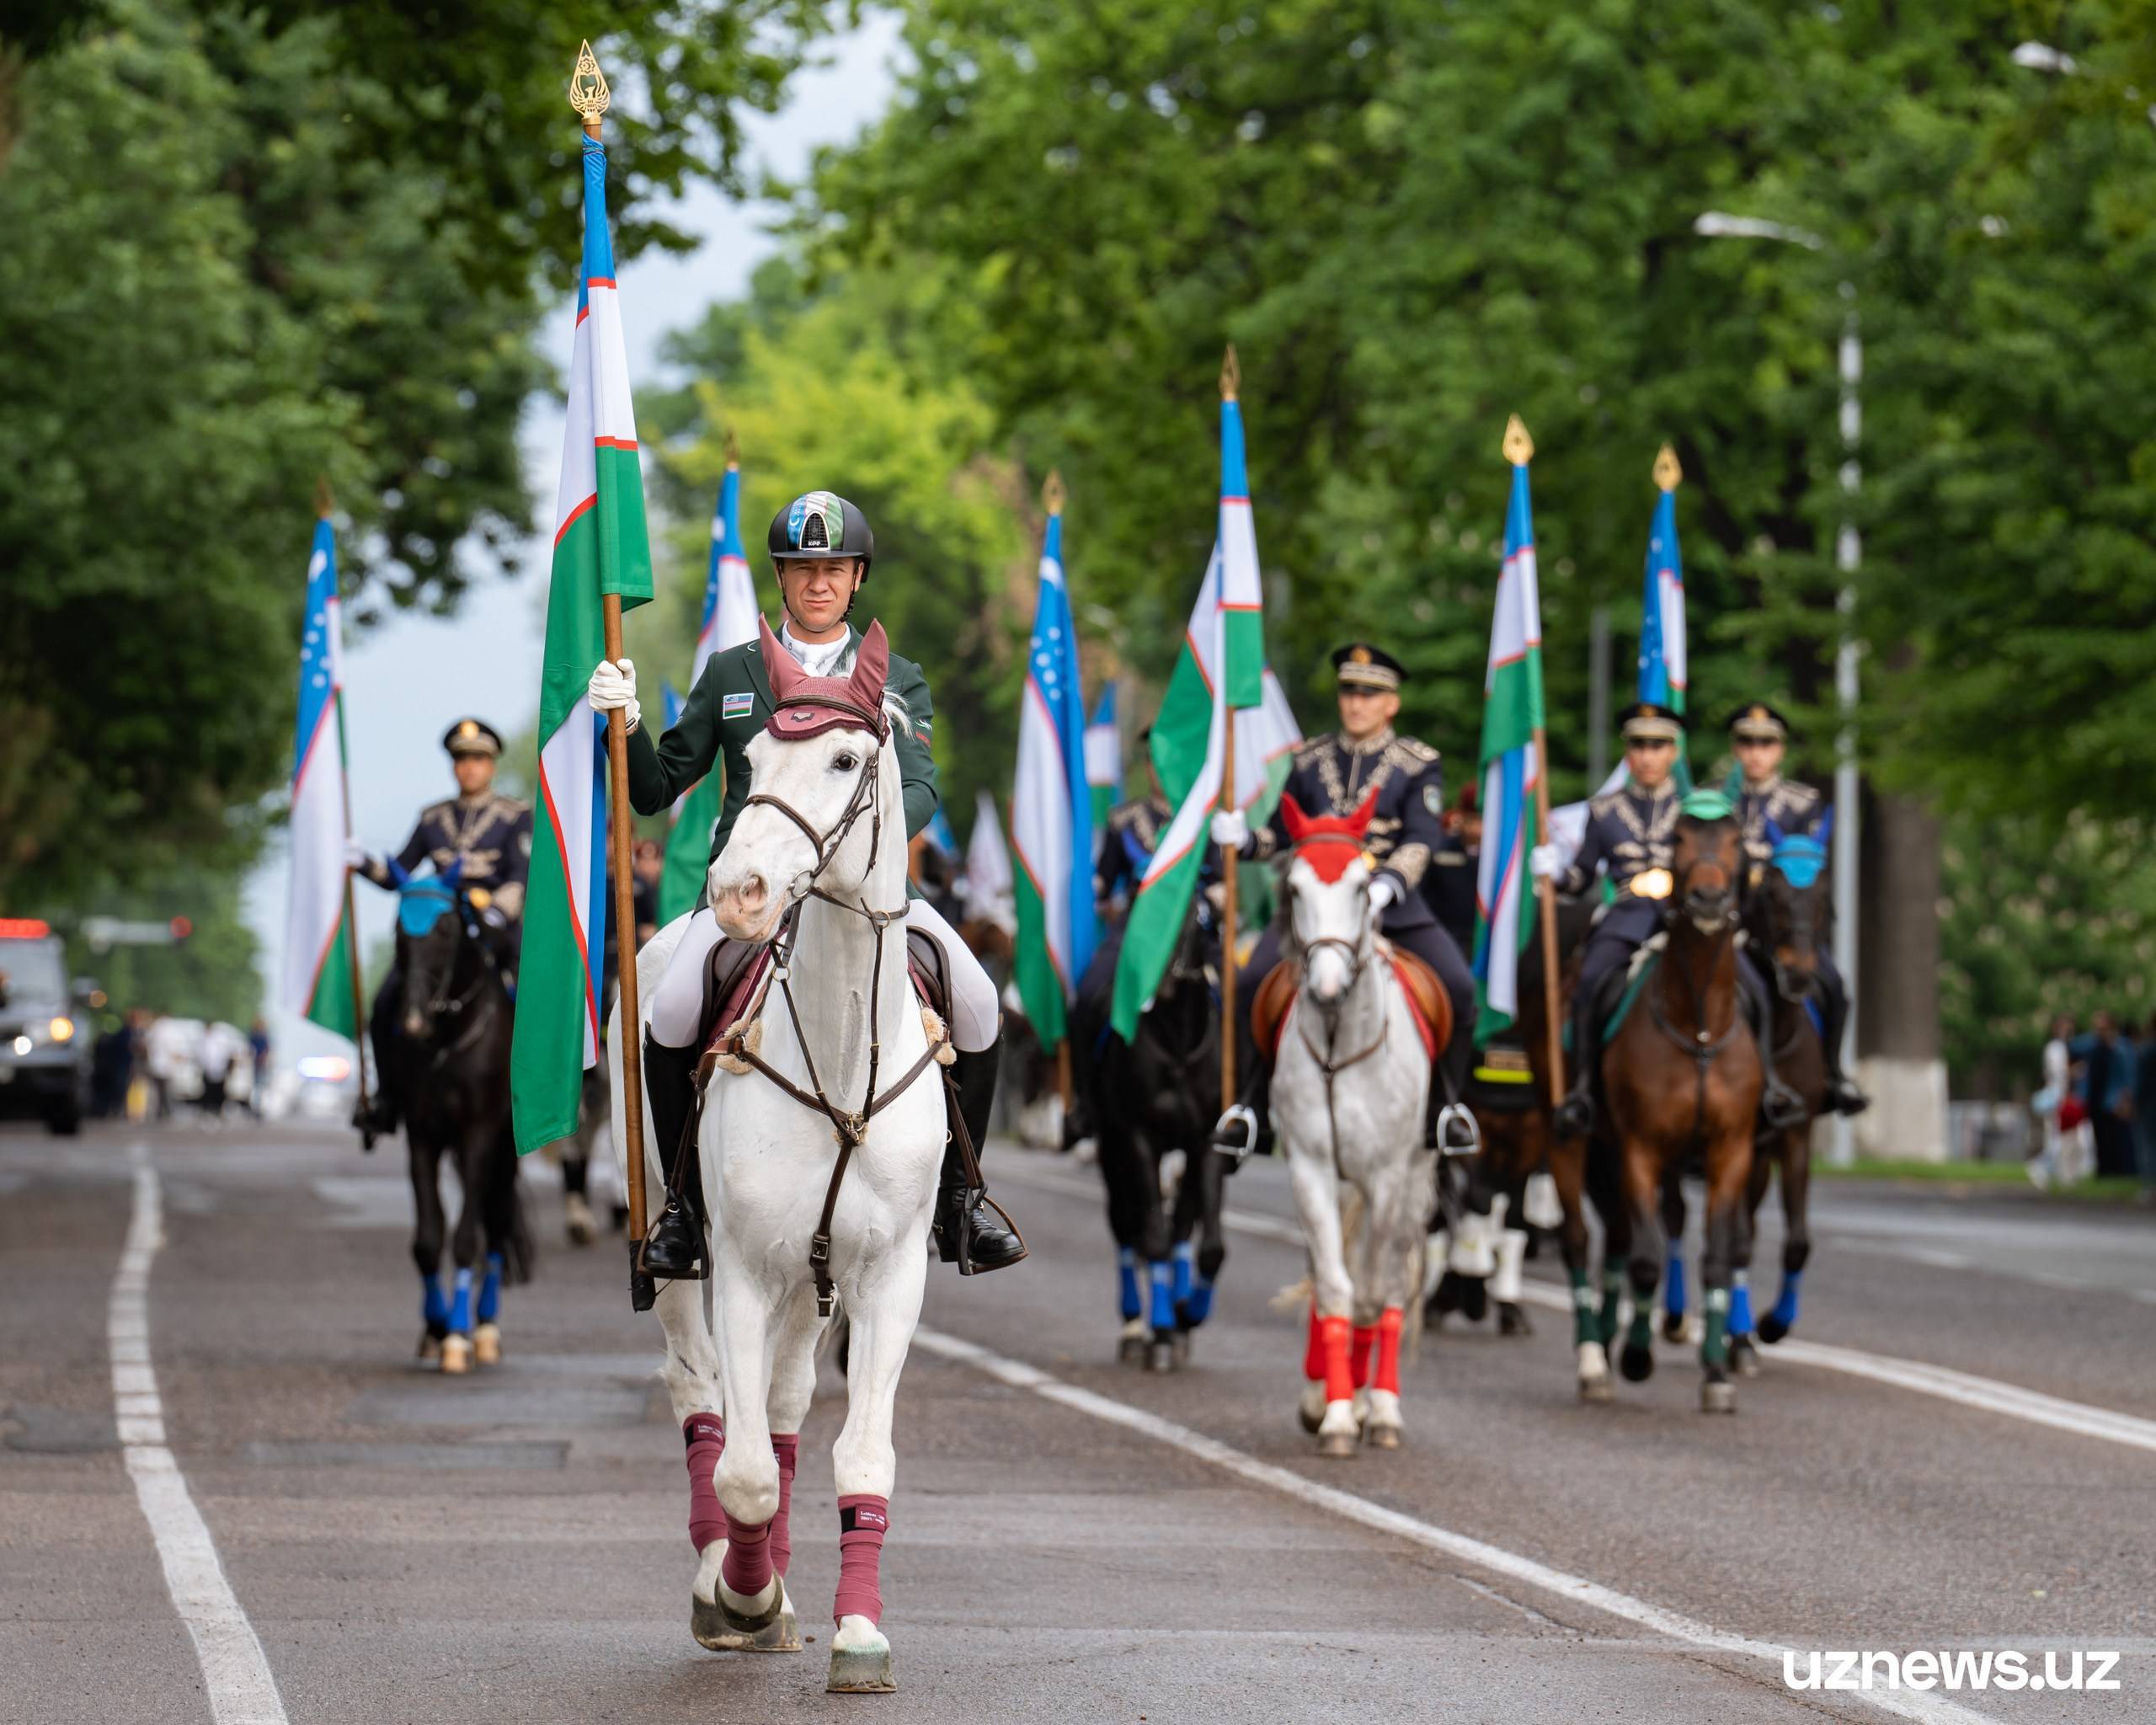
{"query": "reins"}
(1702, 1045)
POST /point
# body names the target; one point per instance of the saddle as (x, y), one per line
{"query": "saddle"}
(1426, 998)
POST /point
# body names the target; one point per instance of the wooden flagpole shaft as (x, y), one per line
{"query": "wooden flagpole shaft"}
(1228, 917)
(620, 844)
(1064, 1087)
(1547, 892)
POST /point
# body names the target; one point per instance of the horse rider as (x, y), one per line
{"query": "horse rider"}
(1760, 737)
(1132, 835)
(1631, 833)
(1332, 777)
(820, 548)
(1449, 882)
(491, 835)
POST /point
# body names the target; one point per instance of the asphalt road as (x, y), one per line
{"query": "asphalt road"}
(1071, 1538)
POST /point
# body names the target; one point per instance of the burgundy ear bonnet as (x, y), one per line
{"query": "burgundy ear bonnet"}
(805, 706)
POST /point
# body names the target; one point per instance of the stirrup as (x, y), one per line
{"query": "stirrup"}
(1238, 1114)
(1574, 1117)
(1781, 1107)
(1468, 1141)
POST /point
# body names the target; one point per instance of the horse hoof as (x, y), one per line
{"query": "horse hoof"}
(576, 1217)
(782, 1635)
(1512, 1319)
(487, 1345)
(1593, 1373)
(1337, 1446)
(1743, 1357)
(456, 1355)
(430, 1347)
(1132, 1344)
(1717, 1396)
(747, 1622)
(1383, 1436)
(1673, 1327)
(1179, 1344)
(1637, 1364)
(1160, 1355)
(1772, 1329)
(1310, 1407)
(860, 1660)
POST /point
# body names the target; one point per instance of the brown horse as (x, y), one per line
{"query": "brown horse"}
(1682, 1077)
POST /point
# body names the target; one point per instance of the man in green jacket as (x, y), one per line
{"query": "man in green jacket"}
(820, 548)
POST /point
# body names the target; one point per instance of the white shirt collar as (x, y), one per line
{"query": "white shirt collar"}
(819, 659)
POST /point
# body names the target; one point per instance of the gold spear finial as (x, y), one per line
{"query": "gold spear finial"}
(1052, 494)
(1519, 447)
(733, 451)
(587, 92)
(1667, 474)
(325, 506)
(1232, 374)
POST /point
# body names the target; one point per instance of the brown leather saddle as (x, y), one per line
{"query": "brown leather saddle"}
(1426, 995)
(736, 978)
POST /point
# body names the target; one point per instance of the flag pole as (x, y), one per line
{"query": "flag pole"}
(1231, 379)
(589, 96)
(324, 506)
(1519, 451)
(1053, 497)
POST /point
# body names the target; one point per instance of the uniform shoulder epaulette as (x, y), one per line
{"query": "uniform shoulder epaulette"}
(1607, 801)
(512, 805)
(1414, 750)
(445, 806)
(1310, 748)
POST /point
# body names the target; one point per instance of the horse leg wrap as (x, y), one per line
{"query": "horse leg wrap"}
(864, 1520)
(1586, 1328)
(1186, 1266)
(460, 1310)
(1786, 1305)
(1613, 1291)
(705, 1433)
(1740, 1303)
(1512, 1253)
(747, 1570)
(787, 1446)
(1672, 1297)
(1126, 1274)
(1314, 1350)
(1198, 1306)
(1714, 1346)
(433, 1305)
(490, 1290)
(1163, 1314)
(1339, 1381)
(1388, 1373)
(1361, 1339)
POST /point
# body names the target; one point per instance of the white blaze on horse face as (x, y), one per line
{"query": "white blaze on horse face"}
(1330, 919)
(768, 860)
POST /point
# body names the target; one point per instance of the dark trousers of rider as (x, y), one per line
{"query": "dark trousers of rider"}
(1626, 926)
(1419, 935)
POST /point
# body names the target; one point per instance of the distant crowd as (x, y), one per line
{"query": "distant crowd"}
(2098, 1103)
(147, 1064)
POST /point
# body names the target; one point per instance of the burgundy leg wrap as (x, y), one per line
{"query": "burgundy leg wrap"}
(705, 1433)
(787, 1446)
(747, 1568)
(1364, 1337)
(864, 1520)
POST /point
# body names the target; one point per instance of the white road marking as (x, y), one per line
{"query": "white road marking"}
(1989, 1394)
(235, 1674)
(1929, 1708)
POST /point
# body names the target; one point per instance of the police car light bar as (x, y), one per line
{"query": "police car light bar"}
(22, 928)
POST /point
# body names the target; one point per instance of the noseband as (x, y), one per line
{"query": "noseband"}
(864, 801)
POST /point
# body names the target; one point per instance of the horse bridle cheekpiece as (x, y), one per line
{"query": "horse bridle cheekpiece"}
(1328, 843)
(803, 705)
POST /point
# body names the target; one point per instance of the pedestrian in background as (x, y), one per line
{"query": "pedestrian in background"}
(2144, 1111)
(2053, 1098)
(161, 1043)
(2107, 1063)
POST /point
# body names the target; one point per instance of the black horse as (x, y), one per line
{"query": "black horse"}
(1147, 1096)
(450, 1070)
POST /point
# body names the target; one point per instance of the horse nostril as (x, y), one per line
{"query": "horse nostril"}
(753, 891)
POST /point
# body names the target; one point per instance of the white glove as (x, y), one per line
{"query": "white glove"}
(615, 686)
(1230, 828)
(355, 855)
(1385, 892)
(1543, 863)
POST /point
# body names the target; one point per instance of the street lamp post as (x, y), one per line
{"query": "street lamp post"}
(1848, 551)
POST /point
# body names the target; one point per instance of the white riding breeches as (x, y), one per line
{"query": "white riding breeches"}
(678, 1001)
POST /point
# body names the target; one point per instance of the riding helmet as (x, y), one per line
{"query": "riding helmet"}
(820, 524)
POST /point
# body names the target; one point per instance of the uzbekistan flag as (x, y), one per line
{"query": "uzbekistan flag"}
(1051, 809)
(317, 980)
(1512, 713)
(600, 546)
(729, 619)
(1662, 609)
(1221, 672)
(988, 866)
(1103, 759)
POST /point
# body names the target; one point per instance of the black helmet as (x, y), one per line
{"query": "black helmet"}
(820, 524)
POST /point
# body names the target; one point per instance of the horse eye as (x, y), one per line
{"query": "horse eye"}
(844, 763)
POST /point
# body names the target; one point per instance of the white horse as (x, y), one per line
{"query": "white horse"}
(1350, 1084)
(824, 834)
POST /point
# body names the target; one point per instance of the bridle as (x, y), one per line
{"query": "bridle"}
(849, 1128)
(1358, 953)
(441, 1004)
(1702, 1045)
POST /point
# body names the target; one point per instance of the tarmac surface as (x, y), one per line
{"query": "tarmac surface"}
(1957, 1451)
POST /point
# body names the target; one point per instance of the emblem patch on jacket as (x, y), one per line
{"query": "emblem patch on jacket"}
(737, 706)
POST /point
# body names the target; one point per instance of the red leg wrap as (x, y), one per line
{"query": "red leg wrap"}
(787, 1446)
(1339, 1381)
(705, 1433)
(1314, 1349)
(1388, 1327)
(864, 1520)
(1359, 1353)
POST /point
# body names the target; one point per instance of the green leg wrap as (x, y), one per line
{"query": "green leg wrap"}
(1714, 1348)
(1613, 1291)
(1640, 1333)
(1586, 1327)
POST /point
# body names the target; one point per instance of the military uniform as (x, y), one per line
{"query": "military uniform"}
(1449, 885)
(1131, 837)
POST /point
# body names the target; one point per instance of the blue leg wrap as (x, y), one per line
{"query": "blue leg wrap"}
(1164, 1304)
(490, 1290)
(434, 1304)
(1198, 1306)
(1186, 1262)
(1673, 1298)
(1740, 1305)
(1785, 1307)
(1126, 1273)
(460, 1310)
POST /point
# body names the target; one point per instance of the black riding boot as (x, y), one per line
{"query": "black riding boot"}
(674, 1250)
(1779, 1106)
(1575, 1115)
(969, 1232)
(1445, 1113)
(1842, 1096)
(1246, 1129)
